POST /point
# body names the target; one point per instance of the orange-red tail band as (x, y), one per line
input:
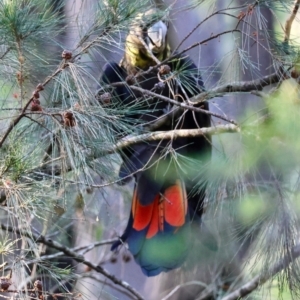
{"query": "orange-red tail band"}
(169, 207)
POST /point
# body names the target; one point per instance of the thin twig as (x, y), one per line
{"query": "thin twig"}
(241, 86)
(198, 44)
(175, 55)
(204, 20)
(177, 103)
(104, 282)
(86, 248)
(6, 51)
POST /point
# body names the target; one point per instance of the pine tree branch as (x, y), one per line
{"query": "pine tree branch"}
(289, 22)
(259, 280)
(63, 65)
(199, 24)
(132, 140)
(173, 134)
(186, 106)
(177, 103)
(219, 12)
(26, 291)
(240, 87)
(77, 257)
(175, 55)
(180, 104)
(85, 248)
(23, 111)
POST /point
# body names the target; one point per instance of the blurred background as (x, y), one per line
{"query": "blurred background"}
(60, 182)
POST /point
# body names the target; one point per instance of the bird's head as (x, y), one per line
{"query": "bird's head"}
(156, 37)
(151, 31)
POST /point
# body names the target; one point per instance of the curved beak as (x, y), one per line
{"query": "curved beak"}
(156, 37)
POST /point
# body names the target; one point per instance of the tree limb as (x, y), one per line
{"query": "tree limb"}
(241, 86)
(77, 257)
(131, 140)
(173, 134)
(183, 105)
(289, 22)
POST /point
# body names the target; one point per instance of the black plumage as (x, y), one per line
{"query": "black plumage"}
(154, 164)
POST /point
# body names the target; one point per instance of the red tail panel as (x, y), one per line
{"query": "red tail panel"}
(171, 207)
(155, 224)
(175, 204)
(142, 214)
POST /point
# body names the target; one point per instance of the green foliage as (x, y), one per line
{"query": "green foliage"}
(7, 246)
(258, 180)
(27, 21)
(253, 182)
(15, 164)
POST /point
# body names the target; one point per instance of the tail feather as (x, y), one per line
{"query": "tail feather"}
(156, 223)
(142, 214)
(175, 204)
(158, 234)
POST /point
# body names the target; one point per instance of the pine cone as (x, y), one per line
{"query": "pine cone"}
(66, 54)
(36, 105)
(105, 98)
(4, 283)
(39, 87)
(130, 80)
(38, 285)
(69, 119)
(164, 70)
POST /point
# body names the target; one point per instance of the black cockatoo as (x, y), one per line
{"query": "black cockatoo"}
(165, 200)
